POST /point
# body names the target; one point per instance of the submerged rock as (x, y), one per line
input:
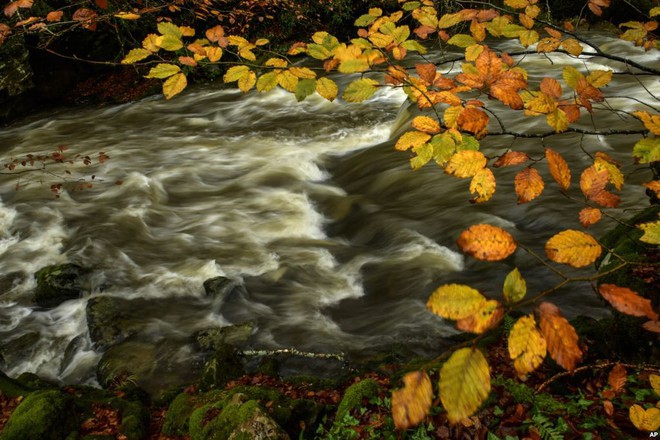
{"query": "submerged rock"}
(224, 365)
(109, 320)
(18, 349)
(56, 284)
(215, 337)
(222, 289)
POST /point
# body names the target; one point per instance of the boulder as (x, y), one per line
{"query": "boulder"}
(223, 366)
(213, 338)
(222, 289)
(18, 349)
(56, 284)
(354, 395)
(110, 320)
(41, 415)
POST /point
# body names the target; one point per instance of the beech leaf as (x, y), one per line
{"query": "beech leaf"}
(572, 247)
(645, 420)
(515, 287)
(651, 232)
(482, 186)
(360, 90)
(412, 403)
(528, 184)
(589, 216)
(174, 85)
(527, 347)
(455, 301)
(486, 242)
(487, 316)
(558, 168)
(561, 338)
(627, 301)
(464, 383)
(466, 163)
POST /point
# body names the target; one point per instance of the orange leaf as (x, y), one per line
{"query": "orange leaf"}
(466, 163)
(551, 87)
(426, 124)
(488, 316)
(561, 338)
(511, 158)
(87, 17)
(426, 72)
(188, 61)
(215, 33)
(652, 326)
(589, 216)
(412, 403)
(592, 184)
(482, 186)
(617, 378)
(628, 302)
(54, 16)
(486, 242)
(558, 168)
(608, 407)
(529, 185)
(474, 120)
(572, 247)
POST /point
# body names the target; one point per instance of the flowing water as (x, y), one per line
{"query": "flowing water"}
(338, 242)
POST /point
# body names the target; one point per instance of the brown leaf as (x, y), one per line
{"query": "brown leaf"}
(652, 326)
(551, 87)
(87, 17)
(426, 72)
(474, 120)
(188, 61)
(101, 4)
(412, 403)
(589, 216)
(511, 158)
(486, 242)
(529, 185)
(628, 302)
(560, 336)
(617, 378)
(608, 407)
(558, 168)
(54, 16)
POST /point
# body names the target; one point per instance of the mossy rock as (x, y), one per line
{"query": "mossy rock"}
(56, 284)
(10, 387)
(134, 419)
(43, 415)
(223, 366)
(354, 395)
(178, 413)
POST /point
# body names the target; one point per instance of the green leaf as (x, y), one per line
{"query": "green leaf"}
(163, 71)
(444, 148)
(235, 73)
(414, 46)
(409, 6)
(305, 88)
(647, 150)
(267, 82)
(364, 20)
(468, 143)
(318, 51)
(354, 65)
(512, 30)
(515, 287)
(651, 232)
(167, 28)
(360, 89)
(135, 55)
(462, 40)
(401, 34)
(424, 155)
(171, 43)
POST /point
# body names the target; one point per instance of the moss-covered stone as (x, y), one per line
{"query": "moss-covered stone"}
(178, 413)
(354, 394)
(10, 387)
(56, 284)
(42, 415)
(134, 419)
(223, 366)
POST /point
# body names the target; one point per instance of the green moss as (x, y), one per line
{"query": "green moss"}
(354, 394)
(222, 425)
(10, 387)
(178, 413)
(34, 382)
(224, 366)
(134, 419)
(42, 415)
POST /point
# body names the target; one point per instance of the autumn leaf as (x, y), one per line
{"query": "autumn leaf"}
(426, 124)
(627, 301)
(488, 315)
(327, 88)
(589, 216)
(596, 6)
(528, 185)
(604, 162)
(558, 168)
(474, 120)
(551, 87)
(54, 16)
(455, 301)
(464, 383)
(617, 378)
(572, 46)
(511, 158)
(412, 403)
(527, 347)
(560, 336)
(645, 420)
(360, 90)
(411, 139)
(592, 184)
(486, 242)
(135, 55)
(652, 326)
(482, 186)
(651, 232)
(655, 383)
(163, 70)
(515, 287)
(651, 122)
(647, 150)
(174, 85)
(127, 16)
(466, 163)
(572, 247)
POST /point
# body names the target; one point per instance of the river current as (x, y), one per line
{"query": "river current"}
(338, 242)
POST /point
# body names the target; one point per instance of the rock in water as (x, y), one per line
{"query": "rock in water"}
(56, 284)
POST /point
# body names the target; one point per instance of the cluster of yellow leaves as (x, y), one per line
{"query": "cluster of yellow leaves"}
(641, 33)
(647, 419)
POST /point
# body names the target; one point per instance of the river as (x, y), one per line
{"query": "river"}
(338, 242)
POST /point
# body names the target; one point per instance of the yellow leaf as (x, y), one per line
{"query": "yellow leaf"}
(615, 175)
(380, 40)
(516, 4)
(174, 85)
(528, 37)
(651, 232)
(455, 301)
(288, 81)
(327, 88)
(482, 186)
(127, 16)
(247, 81)
(360, 89)
(486, 242)
(353, 65)
(560, 336)
(528, 184)
(167, 28)
(572, 247)
(464, 383)
(412, 403)
(651, 122)
(572, 46)
(654, 11)
(599, 78)
(558, 168)
(532, 11)
(462, 40)
(235, 73)
(276, 62)
(187, 31)
(261, 42)
(571, 76)
(645, 420)
(163, 71)
(473, 52)
(318, 51)
(152, 42)
(135, 55)
(267, 82)
(237, 41)
(170, 43)
(485, 318)
(411, 139)
(515, 287)
(647, 150)
(655, 383)
(558, 120)
(302, 72)
(526, 20)
(247, 54)
(527, 347)
(214, 53)
(451, 116)
(449, 20)
(426, 124)
(466, 163)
